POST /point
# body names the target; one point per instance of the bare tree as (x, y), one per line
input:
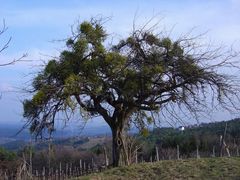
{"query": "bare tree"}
(6, 45)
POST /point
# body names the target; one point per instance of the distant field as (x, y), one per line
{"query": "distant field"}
(205, 168)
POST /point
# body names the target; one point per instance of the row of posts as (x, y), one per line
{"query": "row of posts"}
(178, 154)
(85, 168)
(70, 171)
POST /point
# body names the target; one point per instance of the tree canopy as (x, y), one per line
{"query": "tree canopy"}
(126, 82)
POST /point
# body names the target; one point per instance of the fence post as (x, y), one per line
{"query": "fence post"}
(136, 157)
(70, 170)
(43, 173)
(198, 156)
(213, 153)
(92, 165)
(80, 167)
(106, 156)
(89, 168)
(157, 155)
(178, 154)
(66, 170)
(5, 175)
(60, 169)
(84, 167)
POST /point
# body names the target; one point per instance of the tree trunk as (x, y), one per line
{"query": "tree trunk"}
(117, 145)
(119, 120)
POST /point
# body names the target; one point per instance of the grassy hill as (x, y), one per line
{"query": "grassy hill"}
(205, 168)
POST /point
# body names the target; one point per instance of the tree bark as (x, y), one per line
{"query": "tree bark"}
(117, 145)
(117, 125)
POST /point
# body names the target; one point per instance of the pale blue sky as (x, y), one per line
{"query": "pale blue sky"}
(33, 25)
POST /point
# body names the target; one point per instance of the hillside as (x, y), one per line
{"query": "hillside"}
(205, 168)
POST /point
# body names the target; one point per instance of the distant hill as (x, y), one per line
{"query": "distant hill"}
(69, 136)
(10, 131)
(204, 135)
(83, 143)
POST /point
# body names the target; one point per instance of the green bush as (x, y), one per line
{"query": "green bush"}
(6, 155)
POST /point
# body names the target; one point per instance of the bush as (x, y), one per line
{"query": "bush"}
(7, 155)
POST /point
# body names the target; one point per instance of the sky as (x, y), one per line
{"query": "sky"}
(37, 29)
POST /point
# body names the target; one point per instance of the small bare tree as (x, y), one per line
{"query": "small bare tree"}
(6, 45)
(130, 149)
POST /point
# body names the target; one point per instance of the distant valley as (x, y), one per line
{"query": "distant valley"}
(13, 141)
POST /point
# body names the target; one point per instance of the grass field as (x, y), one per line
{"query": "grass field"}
(204, 168)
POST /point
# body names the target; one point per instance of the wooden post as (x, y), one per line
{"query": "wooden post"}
(5, 175)
(66, 170)
(84, 166)
(89, 168)
(70, 169)
(227, 149)
(52, 171)
(43, 173)
(136, 157)
(157, 155)
(221, 146)
(178, 154)
(57, 174)
(92, 165)
(105, 156)
(222, 140)
(60, 169)
(198, 156)
(151, 158)
(80, 167)
(213, 153)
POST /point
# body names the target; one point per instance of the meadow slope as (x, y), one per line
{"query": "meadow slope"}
(204, 168)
